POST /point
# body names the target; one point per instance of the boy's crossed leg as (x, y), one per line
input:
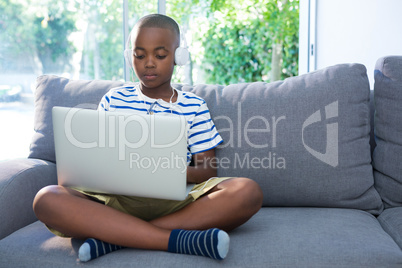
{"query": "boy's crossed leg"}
(76, 216)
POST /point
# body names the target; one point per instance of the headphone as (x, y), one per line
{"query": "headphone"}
(181, 54)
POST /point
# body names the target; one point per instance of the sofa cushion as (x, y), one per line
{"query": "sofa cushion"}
(305, 140)
(387, 158)
(391, 221)
(274, 237)
(58, 91)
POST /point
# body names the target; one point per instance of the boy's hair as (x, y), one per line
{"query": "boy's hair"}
(158, 21)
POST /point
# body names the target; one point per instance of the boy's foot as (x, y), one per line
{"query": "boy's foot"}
(93, 248)
(213, 243)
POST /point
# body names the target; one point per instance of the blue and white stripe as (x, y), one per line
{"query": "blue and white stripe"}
(213, 243)
(202, 133)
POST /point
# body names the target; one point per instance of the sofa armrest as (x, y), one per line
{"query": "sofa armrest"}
(20, 180)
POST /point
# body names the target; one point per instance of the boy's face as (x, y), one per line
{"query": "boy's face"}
(153, 60)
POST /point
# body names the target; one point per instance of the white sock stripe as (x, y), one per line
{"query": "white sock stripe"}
(181, 242)
(96, 248)
(103, 246)
(198, 244)
(178, 240)
(205, 244)
(212, 243)
(186, 242)
(193, 244)
(183, 245)
(190, 235)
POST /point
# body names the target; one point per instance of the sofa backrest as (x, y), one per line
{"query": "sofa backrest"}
(58, 91)
(387, 157)
(305, 140)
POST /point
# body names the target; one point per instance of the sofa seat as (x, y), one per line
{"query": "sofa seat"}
(274, 237)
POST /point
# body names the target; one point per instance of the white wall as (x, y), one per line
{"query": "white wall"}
(349, 31)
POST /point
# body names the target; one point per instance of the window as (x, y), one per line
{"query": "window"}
(366, 32)
(229, 41)
(74, 39)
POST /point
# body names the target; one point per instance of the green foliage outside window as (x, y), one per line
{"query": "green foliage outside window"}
(241, 40)
(35, 35)
(251, 40)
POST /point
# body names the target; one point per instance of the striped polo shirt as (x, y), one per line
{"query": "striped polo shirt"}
(201, 131)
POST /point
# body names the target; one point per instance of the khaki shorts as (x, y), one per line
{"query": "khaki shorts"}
(149, 208)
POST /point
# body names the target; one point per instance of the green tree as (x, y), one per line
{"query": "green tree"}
(37, 34)
(51, 31)
(103, 39)
(104, 46)
(241, 41)
(251, 40)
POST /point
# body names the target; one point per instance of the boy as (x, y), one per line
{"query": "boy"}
(214, 206)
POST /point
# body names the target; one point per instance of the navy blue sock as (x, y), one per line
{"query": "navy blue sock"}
(94, 248)
(213, 243)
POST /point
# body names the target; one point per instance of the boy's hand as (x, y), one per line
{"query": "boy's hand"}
(205, 167)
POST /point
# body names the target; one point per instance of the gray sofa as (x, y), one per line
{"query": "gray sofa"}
(332, 189)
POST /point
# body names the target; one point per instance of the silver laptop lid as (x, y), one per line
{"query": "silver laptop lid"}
(121, 153)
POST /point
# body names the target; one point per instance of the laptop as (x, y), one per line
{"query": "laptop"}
(121, 152)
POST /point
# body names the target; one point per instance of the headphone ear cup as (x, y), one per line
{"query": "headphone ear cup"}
(128, 55)
(181, 56)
